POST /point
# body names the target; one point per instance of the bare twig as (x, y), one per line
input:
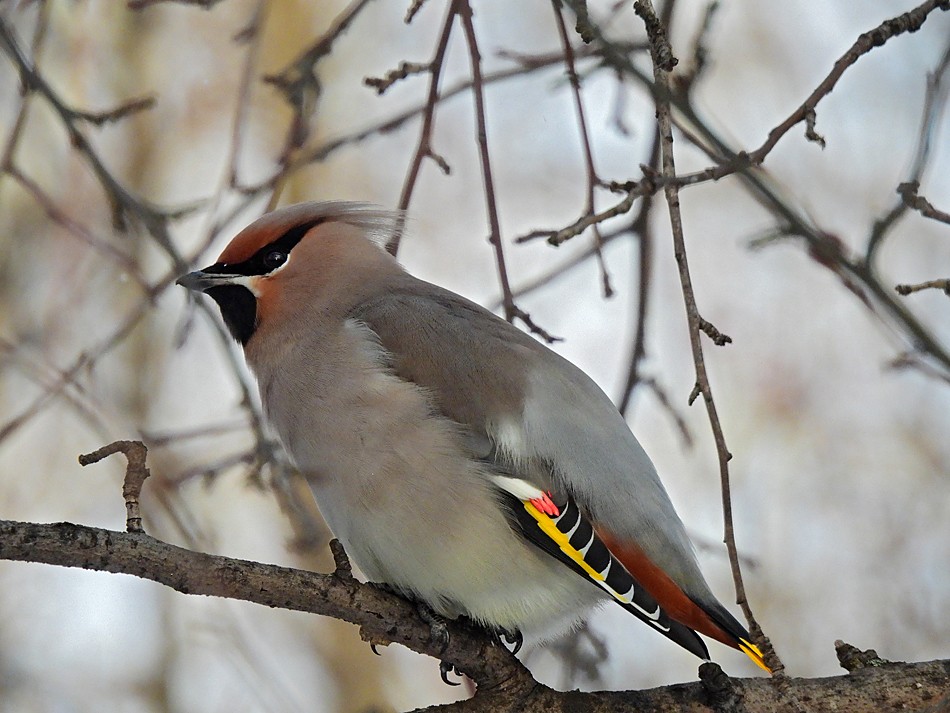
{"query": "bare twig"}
(686, 78)
(663, 61)
(527, 64)
(250, 35)
(929, 285)
(52, 391)
(414, 7)
(557, 237)
(853, 272)
(301, 88)
(853, 659)
(730, 161)
(934, 104)
(342, 567)
(910, 21)
(123, 262)
(641, 227)
(123, 202)
(593, 181)
(135, 474)
(660, 393)
(404, 70)
(424, 147)
(908, 193)
(511, 310)
(710, 330)
(99, 118)
(40, 371)
(913, 360)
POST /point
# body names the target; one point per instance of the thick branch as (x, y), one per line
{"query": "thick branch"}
(383, 618)
(504, 685)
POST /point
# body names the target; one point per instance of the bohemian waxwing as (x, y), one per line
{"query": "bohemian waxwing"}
(458, 459)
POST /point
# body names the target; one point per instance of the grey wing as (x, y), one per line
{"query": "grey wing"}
(475, 365)
(535, 413)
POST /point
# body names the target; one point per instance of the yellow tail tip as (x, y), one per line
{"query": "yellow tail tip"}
(752, 651)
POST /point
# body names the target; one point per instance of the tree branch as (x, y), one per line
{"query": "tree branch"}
(503, 683)
(383, 618)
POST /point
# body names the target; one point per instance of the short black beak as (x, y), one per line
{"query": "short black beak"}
(201, 280)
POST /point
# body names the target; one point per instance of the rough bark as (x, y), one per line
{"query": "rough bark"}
(503, 683)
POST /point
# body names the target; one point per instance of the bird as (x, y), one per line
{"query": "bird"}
(460, 461)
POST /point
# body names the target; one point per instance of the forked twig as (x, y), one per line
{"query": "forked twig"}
(135, 474)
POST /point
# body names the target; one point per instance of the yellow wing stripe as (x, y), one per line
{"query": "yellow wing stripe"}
(752, 651)
(550, 529)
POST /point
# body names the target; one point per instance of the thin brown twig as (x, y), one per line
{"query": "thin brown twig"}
(560, 269)
(663, 61)
(935, 99)
(687, 77)
(912, 360)
(728, 161)
(511, 310)
(557, 237)
(909, 196)
(135, 474)
(302, 89)
(424, 147)
(910, 21)
(52, 391)
(251, 35)
(37, 369)
(660, 393)
(929, 285)
(123, 202)
(593, 181)
(642, 229)
(157, 439)
(124, 262)
(527, 64)
(108, 116)
(88, 357)
(23, 98)
(403, 71)
(414, 7)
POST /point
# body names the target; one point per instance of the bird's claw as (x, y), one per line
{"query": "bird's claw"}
(438, 631)
(514, 637)
(445, 668)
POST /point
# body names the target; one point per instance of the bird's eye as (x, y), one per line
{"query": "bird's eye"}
(274, 259)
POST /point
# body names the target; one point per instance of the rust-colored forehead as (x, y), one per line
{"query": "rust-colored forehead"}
(375, 223)
(265, 230)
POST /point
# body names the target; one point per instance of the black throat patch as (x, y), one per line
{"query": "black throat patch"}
(237, 303)
(238, 308)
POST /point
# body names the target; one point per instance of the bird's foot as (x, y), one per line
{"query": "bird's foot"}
(514, 638)
(445, 668)
(438, 630)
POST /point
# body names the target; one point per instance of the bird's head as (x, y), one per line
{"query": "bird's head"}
(296, 256)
